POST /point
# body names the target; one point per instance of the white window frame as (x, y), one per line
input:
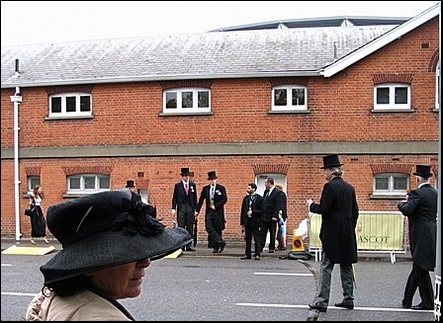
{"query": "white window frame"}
(289, 105)
(179, 109)
(33, 179)
(392, 105)
(390, 190)
(82, 189)
(77, 111)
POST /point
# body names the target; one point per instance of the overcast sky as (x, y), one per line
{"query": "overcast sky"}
(26, 22)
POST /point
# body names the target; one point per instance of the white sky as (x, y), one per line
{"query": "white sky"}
(27, 22)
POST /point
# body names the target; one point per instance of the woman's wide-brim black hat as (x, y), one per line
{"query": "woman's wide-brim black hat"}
(105, 230)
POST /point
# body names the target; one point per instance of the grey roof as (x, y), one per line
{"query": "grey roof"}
(257, 53)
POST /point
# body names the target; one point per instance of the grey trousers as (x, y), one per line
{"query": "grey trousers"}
(347, 281)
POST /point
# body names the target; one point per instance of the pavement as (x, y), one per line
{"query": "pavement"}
(233, 249)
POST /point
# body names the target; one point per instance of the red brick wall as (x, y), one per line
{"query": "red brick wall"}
(304, 179)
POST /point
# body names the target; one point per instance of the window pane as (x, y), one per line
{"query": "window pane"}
(187, 100)
(280, 97)
(104, 183)
(74, 183)
(401, 95)
(298, 97)
(70, 104)
(89, 182)
(400, 183)
(383, 95)
(382, 184)
(56, 105)
(85, 103)
(32, 181)
(203, 99)
(171, 100)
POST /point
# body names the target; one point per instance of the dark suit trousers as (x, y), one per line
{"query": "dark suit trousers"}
(186, 219)
(214, 227)
(252, 231)
(272, 228)
(419, 278)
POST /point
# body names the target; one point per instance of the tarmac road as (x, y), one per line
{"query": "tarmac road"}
(202, 286)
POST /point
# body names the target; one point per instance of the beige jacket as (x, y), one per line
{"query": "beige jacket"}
(83, 306)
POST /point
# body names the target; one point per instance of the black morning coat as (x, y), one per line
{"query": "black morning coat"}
(179, 195)
(220, 199)
(421, 209)
(339, 213)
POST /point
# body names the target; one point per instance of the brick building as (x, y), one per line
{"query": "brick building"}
(79, 117)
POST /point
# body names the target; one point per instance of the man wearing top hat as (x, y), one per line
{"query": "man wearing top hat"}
(216, 198)
(420, 207)
(184, 204)
(339, 212)
(130, 185)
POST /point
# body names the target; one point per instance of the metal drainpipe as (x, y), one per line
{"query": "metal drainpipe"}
(16, 99)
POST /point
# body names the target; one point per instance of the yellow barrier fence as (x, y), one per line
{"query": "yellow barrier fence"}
(376, 232)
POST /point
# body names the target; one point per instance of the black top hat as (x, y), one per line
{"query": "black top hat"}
(130, 183)
(331, 161)
(103, 230)
(184, 171)
(212, 175)
(423, 171)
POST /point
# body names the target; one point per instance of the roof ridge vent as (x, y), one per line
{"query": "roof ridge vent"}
(346, 23)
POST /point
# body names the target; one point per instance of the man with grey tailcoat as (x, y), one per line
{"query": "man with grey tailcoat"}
(421, 209)
(339, 212)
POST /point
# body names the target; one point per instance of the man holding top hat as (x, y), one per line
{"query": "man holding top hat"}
(184, 204)
(339, 211)
(216, 198)
(420, 207)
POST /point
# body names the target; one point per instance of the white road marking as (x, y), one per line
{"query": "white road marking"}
(378, 309)
(282, 274)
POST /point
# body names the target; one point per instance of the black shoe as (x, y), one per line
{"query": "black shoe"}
(346, 304)
(257, 257)
(271, 250)
(245, 257)
(421, 307)
(220, 249)
(317, 306)
(190, 249)
(215, 251)
(405, 304)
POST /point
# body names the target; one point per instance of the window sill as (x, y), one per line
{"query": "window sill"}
(289, 111)
(392, 110)
(387, 197)
(68, 118)
(185, 114)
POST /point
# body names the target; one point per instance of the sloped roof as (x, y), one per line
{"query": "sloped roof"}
(258, 53)
(395, 33)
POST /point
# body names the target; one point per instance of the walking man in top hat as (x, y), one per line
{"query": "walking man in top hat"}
(339, 212)
(420, 207)
(184, 204)
(216, 198)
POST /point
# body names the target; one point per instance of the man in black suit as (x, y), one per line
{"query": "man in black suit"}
(184, 204)
(271, 208)
(339, 212)
(251, 214)
(421, 209)
(216, 198)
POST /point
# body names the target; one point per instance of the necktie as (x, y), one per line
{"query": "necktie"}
(212, 192)
(186, 188)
